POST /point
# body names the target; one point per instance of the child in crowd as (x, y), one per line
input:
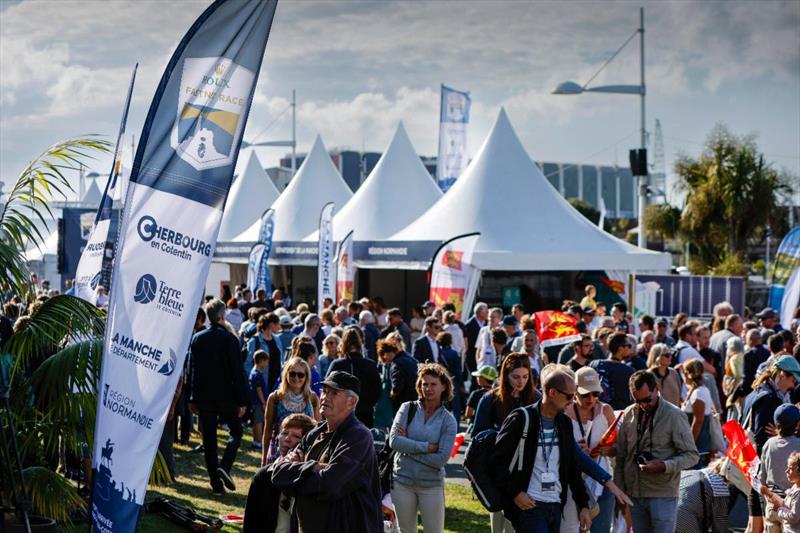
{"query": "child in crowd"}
(258, 395)
(486, 375)
(788, 507)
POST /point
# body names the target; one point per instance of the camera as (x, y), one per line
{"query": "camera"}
(644, 457)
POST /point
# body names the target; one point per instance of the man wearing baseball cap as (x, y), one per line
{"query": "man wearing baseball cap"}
(769, 320)
(333, 471)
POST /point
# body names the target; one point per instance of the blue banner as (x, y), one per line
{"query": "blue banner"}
(98, 253)
(178, 186)
(326, 269)
(787, 259)
(263, 280)
(453, 121)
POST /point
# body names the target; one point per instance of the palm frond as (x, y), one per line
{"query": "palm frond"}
(64, 389)
(159, 474)
(55, 322)
(27, 204)
(51, 494)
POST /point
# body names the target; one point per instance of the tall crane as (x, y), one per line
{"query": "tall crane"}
(658, 176)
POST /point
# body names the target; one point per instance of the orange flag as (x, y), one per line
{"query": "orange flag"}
(740, 451)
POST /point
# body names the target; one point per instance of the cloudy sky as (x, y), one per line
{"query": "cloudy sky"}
(361, 67)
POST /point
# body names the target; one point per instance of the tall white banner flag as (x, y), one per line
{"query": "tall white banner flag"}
(89, 273)
(176, 195)
(345, 270)
(453, 121)
(254, 264)
(453, 277)
(326, 270)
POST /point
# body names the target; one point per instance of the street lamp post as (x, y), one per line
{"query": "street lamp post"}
(572, 88)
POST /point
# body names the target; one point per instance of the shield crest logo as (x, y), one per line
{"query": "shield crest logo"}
(213, 98)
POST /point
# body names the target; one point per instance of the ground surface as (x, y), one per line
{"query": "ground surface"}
(464, 513)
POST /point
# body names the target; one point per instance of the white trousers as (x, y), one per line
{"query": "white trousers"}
(429, 501)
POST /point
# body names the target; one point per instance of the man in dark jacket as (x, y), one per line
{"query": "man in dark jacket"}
(535, 489)
(217, 392)
(396, 323)
(371, 333)
(426, 348)
(367, 373)
(402, 373)
(333, 473)
(471, 330)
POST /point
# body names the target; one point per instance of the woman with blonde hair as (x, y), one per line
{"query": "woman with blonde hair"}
(294, 395)
(669, 381)
(422, 436)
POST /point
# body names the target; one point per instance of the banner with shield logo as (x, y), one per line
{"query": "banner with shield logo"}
(173, 207)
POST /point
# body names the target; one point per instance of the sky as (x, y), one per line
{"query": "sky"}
(359, 68)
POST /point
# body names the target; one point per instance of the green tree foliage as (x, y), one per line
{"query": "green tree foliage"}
(732, 195)
(662, 222)
(52, 360)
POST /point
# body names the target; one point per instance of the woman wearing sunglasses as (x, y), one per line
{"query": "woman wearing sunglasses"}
(590, 420)
(669, 381)
(294, 395)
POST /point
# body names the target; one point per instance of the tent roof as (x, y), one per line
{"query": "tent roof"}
(251, 193)
(525, 224)
(297, 210)
(397, 191)
(93, 194)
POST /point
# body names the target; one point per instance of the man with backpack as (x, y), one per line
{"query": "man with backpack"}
(534, 460)
(614, 373)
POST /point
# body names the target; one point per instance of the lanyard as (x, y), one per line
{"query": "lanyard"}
(546, 451)
(644, 422)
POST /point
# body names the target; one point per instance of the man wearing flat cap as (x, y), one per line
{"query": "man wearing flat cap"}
(333, 472)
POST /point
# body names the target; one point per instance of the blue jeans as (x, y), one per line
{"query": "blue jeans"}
(654, 515)
(602, 522)
(544, 518)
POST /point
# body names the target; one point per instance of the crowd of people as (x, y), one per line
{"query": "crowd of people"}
(355, 412)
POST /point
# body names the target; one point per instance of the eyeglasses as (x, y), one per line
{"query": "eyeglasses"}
(330, 343)
(568, 395)
(643, 401)
(297, 375)
(595, 394)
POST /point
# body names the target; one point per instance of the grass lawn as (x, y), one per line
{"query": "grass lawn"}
(464, 513)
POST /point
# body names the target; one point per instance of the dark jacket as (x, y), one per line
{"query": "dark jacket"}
(367, 373)
(510, 485)
(403, 375)
(422, 350)
(752, 359)
(471, 330)
(346, 488)
(216, 379)
(403, 329)
(371, 336)
(759, 411)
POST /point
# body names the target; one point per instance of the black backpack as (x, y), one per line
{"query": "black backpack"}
(476, 464)
(386, 456)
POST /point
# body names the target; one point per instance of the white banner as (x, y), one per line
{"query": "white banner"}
(89, 272)
(254, 264)
(177, 191)
(453, 277)
(453, 122)
(345, 271)
(326, 270)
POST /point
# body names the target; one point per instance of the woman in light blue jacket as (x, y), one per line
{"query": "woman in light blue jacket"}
(423, 446)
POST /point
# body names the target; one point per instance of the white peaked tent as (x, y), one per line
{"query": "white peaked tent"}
(525, 224)
(397, 191)
(251, 194)
(297, 209)
(93, 195)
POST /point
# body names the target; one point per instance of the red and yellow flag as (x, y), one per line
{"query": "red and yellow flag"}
(555, 328)
(740, 450)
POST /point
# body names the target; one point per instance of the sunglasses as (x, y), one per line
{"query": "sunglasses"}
(568, 395)
(330, 343)
(595, 394)
(297, 375)
(643, 401)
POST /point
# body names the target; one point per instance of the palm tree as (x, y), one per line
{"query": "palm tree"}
(51, 362)
(732, 196)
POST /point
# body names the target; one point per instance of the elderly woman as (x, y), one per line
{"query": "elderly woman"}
(422, 434)
(669, 381)
(330, 352)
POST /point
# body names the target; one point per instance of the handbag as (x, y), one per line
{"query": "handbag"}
(718, 443)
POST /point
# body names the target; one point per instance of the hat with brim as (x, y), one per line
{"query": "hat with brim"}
(588, 381)
(341, 380)
(487, 372)
(788, 363)
(767, 312)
